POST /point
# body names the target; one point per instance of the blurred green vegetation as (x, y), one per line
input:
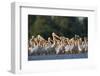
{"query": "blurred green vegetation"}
(62, 25)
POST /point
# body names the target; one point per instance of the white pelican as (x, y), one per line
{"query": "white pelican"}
(31, 41)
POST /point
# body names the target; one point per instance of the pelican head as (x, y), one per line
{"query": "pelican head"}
(53, 34)
(32, 37)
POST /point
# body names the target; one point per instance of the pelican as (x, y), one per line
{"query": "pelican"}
(39, 37)
(33, 50)
(59, 47)
(31, 41)
(67, 48)
(55, 36)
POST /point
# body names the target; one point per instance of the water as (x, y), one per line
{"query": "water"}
(54, 57)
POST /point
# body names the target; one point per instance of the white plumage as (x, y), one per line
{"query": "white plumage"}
(39, 46)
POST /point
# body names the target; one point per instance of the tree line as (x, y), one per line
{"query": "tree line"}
(62, 25)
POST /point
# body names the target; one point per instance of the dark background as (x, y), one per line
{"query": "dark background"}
(62, 25)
